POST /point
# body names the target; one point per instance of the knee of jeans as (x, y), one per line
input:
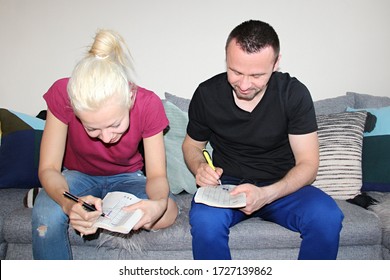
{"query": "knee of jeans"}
(327, 217)
(209, 233)
(42, 230)
(335, 218)
(48, 226)
(332, 213)
(207, 225)
(46, 220)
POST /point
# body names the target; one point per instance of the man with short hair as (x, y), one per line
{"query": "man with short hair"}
(262, 127)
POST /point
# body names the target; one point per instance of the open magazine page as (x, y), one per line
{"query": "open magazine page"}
(219, 196)
(116, 219)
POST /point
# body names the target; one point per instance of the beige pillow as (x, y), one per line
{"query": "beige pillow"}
(341, 141)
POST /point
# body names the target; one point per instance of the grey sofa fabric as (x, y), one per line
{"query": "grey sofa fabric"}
(334, 105)
(361, 237)
(362, 100)
(382, 210)
(365, 233)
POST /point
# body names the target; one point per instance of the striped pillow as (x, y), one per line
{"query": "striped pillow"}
(341, 140)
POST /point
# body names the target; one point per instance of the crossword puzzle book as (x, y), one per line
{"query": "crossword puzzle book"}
(219, 196)
(118, 220)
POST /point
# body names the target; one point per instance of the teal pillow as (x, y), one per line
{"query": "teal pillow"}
(179, 177)
(19, 149)
(376, 152)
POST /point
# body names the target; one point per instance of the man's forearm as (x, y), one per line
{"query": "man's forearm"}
(192, 153)
(299, 176)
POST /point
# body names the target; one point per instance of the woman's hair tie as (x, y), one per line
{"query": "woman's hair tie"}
(101, 57)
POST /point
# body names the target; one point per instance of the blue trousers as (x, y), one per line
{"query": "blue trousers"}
(50, 224)
(309, 211)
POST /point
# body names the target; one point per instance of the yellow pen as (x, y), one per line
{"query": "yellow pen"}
(209, 161)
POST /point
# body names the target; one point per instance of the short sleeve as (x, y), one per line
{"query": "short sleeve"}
(57, 100)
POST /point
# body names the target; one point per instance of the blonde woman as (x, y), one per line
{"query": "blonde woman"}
(96, 121)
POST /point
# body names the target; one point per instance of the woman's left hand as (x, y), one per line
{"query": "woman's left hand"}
(153, 210)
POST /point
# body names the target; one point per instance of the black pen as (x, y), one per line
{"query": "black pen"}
(87, 206)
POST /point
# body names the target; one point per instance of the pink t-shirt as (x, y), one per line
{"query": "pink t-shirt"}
(91, 156)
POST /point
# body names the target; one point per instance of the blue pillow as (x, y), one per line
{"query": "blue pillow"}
(376, 152)
(19, 150)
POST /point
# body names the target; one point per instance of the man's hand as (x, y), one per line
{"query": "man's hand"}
(206, 176)
(256, 197)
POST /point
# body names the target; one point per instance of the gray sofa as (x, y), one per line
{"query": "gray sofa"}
(365, 233)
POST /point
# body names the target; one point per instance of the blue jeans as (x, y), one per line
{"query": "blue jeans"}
(50, 224)
(309, 211)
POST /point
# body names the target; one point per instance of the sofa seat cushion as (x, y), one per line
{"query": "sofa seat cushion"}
(10, 200)
(361, 227)
(252, 233)
(382, 209)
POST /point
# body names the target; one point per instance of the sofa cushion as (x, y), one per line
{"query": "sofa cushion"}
(360, 228)
(382, 209)
(376, 152)
(368, 101)
(179, 177)
(361, 234)
(340, 139)
(19, 149)
(181, 102)
(10, 200)
(334, 105)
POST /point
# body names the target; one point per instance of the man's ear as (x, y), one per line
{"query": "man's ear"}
(276, 65)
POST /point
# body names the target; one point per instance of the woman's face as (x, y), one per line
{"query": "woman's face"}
(108, 123)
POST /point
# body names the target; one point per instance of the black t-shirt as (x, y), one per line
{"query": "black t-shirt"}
(252, 145)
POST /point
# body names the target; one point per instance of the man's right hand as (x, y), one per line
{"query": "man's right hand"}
(206, 176)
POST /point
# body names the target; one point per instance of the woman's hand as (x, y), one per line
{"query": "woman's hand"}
(81, 219)
(153, 210)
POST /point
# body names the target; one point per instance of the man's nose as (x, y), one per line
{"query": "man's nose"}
(244, 83)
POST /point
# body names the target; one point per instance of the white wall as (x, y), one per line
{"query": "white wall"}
(332, 46)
